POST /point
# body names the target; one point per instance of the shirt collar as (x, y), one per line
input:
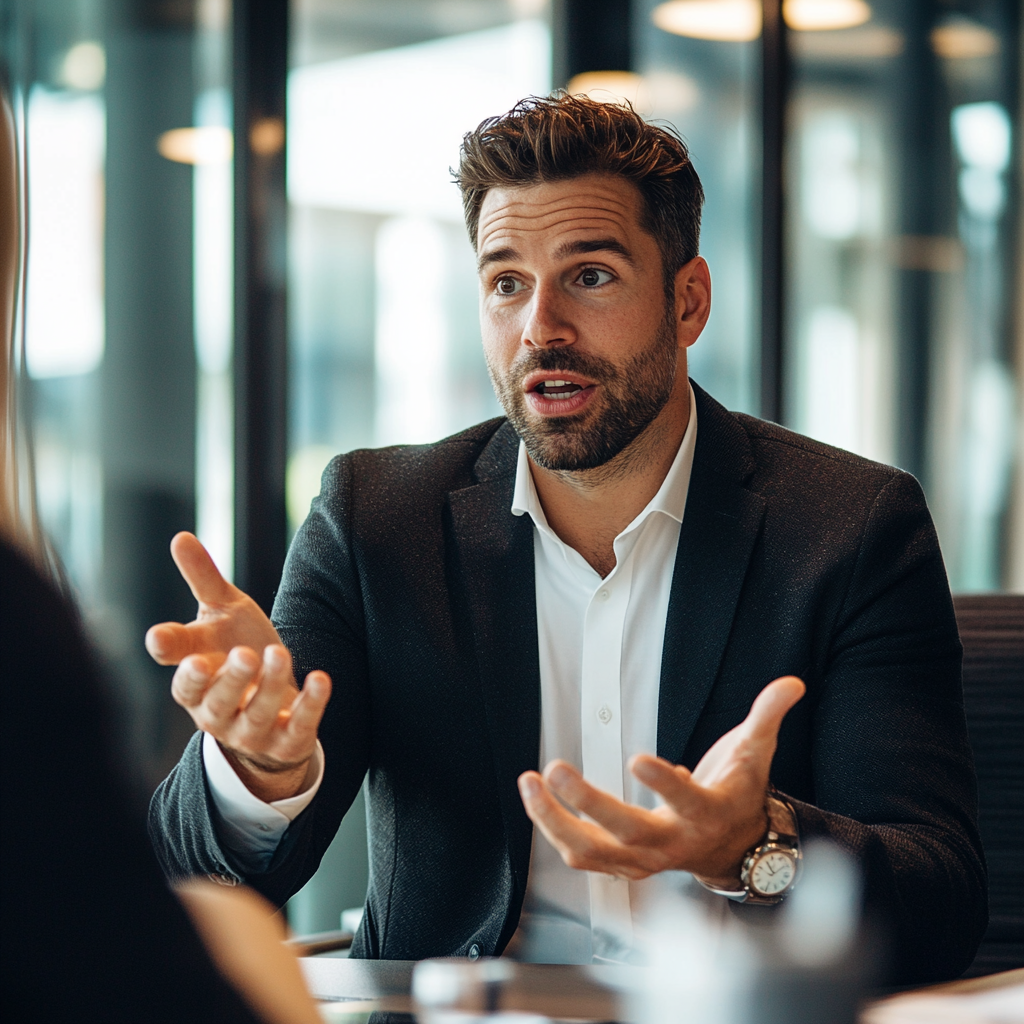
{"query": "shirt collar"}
(670, 499)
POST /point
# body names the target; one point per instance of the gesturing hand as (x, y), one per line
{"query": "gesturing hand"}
(710, 818)
(235, 679)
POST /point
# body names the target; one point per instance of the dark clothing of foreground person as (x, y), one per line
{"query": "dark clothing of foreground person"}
(91, 933)
(412, 584)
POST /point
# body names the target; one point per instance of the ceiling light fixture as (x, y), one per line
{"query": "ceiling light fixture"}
(734, 21)
(208, 145)
(740, 20)
(824, 15)
(962, 39)
(608, 86)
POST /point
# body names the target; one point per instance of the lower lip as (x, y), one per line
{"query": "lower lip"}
(560, 406)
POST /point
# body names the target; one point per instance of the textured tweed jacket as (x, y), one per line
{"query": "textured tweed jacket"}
(412, 584)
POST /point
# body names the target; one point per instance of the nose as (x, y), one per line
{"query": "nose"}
(547, 323)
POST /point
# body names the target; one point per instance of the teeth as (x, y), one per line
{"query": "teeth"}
(556, 383)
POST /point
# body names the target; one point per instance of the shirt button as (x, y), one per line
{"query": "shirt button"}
(263, 828)
(604, 713)
(474, 952)
(603, 594)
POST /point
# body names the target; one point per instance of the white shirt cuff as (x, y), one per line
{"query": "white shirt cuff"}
(249, 826)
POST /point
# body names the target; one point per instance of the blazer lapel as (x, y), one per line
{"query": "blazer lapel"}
(494, 552)
(720, 527)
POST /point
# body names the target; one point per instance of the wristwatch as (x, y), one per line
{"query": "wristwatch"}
(770, 869)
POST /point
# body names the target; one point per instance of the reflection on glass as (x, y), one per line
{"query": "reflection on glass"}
(212, 284)
(66, 123)
(842, 346)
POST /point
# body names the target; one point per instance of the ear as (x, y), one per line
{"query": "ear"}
(693, 300)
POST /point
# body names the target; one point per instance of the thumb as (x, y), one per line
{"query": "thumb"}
(772, 705)
(200, 573)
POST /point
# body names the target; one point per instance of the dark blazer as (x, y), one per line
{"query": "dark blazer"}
(412, 584)
(91, 932)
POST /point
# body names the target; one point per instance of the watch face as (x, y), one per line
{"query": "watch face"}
(772, 873)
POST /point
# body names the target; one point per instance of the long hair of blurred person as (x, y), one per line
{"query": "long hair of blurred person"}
(90, 930)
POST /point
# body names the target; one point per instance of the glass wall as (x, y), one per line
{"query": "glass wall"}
(902, 333)
(902, 224)
(122, 114)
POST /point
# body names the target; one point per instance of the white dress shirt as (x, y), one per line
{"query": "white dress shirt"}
(600, 645)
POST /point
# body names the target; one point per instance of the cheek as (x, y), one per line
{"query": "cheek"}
(501, 332)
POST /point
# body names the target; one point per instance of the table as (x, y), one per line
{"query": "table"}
(551, 990)
(355, 988)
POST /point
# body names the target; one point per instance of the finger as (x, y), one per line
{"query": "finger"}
(224, 697)
(276, 680)
(581, 844)
(671, 782)
(170, 642)
(200, 573)
(771, 706)
(628, 824)
(193, 678)
(307, 709)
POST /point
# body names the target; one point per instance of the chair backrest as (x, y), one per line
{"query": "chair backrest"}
(992, 632)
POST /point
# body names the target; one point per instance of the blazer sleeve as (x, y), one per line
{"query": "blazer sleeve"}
(893, 772)
(318, 615)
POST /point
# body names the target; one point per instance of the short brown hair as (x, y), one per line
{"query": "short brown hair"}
(559, 137)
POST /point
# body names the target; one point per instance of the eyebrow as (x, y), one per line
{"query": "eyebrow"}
(504, 255)
(586, 246)
(579, 248)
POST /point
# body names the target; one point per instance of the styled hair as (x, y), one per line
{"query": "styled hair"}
(559, 137)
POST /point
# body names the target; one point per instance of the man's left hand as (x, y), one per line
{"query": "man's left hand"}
(710, 819)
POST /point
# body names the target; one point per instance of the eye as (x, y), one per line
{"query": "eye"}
(507, 286)
(594, 278)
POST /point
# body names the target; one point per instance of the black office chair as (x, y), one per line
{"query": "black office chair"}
(992, 632)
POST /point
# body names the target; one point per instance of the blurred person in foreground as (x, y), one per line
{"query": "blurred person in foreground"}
(619, 568)
(91, 932)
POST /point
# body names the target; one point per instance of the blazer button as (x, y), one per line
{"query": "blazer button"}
(474, 952)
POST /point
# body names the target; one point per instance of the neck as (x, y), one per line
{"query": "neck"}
(588, 509)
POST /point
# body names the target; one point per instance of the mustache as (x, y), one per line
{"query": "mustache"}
(569, 359)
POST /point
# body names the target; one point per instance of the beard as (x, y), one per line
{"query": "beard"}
(632, 397)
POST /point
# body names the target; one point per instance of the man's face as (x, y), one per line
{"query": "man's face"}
(579, 337)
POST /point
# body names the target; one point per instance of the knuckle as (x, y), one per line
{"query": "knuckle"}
(574, 860)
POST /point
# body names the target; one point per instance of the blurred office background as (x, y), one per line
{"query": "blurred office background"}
(246, 255)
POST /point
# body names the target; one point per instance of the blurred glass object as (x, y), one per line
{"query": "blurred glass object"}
(699, 963)
(900, 334)
(821, 919)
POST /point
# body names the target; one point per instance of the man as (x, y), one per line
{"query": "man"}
(613, 572)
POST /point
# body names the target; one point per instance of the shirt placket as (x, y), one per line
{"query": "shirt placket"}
(601, 727)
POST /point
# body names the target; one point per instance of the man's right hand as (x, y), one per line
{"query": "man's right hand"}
(235, 679)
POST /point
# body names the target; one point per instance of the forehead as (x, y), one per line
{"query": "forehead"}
(601, 203)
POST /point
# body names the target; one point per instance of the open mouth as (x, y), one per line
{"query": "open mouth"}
(550, 394)
(558, 390)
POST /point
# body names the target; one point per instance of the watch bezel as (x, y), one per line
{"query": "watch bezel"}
(773, 844)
